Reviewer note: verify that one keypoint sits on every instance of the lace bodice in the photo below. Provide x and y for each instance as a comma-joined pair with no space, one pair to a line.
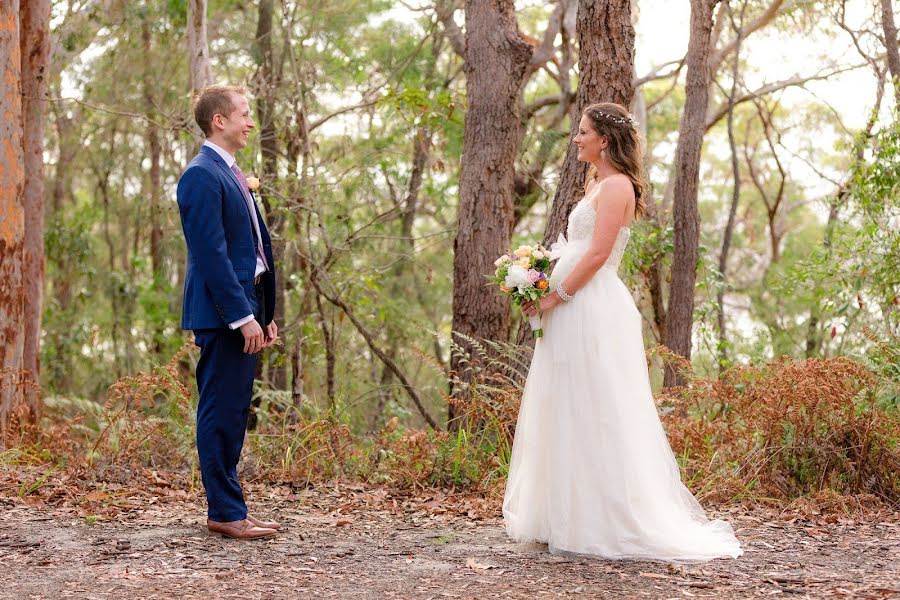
581,228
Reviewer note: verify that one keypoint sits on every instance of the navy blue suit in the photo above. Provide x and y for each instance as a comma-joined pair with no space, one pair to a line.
219,289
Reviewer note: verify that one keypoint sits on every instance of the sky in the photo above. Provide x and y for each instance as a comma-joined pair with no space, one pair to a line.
662,35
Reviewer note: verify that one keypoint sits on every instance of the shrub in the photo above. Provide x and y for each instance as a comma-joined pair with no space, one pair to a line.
785,430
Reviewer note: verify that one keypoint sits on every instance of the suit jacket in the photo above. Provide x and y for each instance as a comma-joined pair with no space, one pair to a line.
221,247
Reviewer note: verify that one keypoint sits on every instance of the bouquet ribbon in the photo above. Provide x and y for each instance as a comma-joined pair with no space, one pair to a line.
558,247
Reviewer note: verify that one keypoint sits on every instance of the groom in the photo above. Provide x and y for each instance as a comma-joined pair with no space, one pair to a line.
229,300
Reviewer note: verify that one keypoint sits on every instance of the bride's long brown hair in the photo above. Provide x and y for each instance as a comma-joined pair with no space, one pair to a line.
613,121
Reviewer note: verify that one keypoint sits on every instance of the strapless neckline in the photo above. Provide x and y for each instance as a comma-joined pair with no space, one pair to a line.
594,210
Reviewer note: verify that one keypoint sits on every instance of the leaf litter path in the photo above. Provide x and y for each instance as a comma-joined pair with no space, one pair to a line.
356,542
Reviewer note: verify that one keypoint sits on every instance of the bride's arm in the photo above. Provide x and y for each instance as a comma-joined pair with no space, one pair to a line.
612,205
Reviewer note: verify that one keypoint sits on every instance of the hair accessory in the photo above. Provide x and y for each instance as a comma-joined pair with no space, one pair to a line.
629,120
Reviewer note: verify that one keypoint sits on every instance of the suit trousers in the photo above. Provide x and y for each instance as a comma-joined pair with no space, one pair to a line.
225,376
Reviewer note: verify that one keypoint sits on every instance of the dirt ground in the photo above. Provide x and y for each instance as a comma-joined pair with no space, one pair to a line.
355,542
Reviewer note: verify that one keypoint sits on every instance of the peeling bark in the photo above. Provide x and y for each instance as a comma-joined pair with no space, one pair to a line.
35,44
12,225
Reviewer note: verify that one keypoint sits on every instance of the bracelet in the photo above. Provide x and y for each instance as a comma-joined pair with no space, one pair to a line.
562,293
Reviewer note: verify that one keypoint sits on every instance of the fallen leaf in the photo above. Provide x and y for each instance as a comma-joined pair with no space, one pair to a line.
474,564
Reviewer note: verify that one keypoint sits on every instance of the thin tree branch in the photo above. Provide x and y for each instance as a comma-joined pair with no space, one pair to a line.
656,74
718,113
758,23
544,53
370,341
444,10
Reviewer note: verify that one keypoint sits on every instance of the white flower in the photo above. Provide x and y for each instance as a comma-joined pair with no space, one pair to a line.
517,277
501,260
537,254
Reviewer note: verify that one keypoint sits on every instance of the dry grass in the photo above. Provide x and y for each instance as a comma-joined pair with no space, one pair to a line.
805,431
17,420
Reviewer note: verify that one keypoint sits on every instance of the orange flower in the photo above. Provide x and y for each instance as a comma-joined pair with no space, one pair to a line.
543,284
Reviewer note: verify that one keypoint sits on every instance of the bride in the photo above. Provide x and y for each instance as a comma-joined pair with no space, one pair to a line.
591,470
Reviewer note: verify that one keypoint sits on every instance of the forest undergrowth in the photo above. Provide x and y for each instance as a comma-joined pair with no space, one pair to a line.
820,433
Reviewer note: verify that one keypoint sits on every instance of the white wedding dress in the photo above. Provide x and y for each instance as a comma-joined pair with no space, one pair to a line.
592,472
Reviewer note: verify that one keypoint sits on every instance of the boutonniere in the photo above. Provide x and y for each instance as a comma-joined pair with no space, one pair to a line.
253,183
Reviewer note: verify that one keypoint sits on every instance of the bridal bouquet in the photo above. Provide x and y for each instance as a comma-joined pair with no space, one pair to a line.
523,275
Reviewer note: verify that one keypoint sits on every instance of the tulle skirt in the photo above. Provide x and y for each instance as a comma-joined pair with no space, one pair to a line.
592,472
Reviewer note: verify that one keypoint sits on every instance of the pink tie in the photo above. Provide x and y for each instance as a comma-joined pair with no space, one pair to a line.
252,208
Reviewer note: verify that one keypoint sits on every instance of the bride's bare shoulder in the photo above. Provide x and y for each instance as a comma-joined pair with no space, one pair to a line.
618,183
616,187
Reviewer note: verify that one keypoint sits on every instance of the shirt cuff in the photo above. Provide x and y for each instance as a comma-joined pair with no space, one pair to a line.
240,322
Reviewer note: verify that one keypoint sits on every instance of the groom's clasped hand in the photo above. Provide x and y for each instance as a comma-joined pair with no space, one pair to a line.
256,339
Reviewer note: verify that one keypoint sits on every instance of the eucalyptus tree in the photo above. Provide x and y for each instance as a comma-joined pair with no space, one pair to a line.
496,60
12,233
679,318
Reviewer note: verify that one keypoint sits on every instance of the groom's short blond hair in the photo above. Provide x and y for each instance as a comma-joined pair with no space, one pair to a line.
214,100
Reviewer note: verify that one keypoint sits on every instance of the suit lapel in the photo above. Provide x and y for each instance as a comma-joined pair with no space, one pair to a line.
219,161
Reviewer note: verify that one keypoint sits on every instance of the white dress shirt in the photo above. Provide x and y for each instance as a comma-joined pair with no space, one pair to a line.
260,263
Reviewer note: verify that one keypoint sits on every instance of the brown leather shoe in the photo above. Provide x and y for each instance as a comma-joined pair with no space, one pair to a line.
265,524
240,530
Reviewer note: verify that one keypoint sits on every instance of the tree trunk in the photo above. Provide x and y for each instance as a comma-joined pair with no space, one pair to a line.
495,63
298,357
198,51
12,227
268,140
605,63
890,43
35,44
680,312
330,357
154,147
113,290
735,194
298,152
